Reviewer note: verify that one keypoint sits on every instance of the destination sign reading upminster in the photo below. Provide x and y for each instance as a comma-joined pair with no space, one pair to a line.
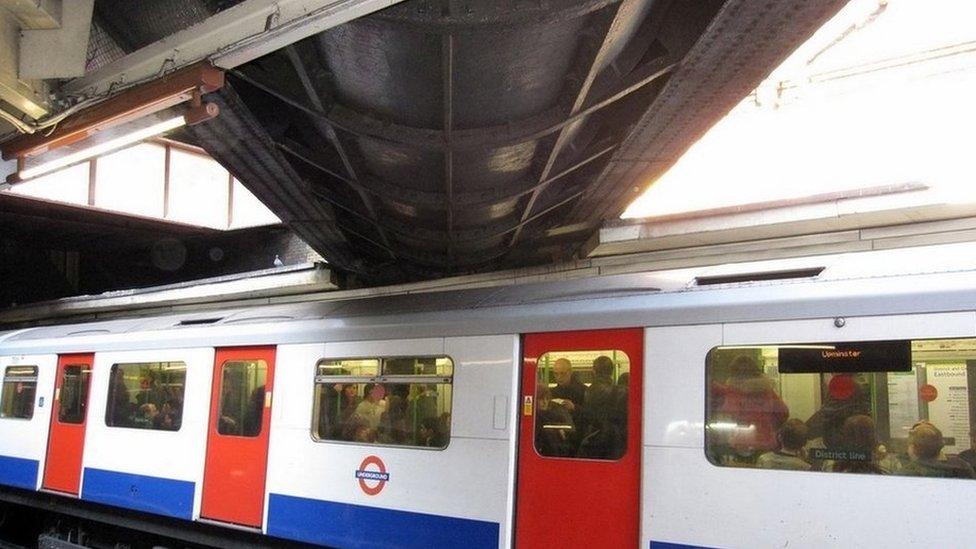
862,356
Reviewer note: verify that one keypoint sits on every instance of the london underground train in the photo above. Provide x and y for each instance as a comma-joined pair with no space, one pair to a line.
824,406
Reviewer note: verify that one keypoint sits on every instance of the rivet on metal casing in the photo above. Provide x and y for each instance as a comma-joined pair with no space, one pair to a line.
840,322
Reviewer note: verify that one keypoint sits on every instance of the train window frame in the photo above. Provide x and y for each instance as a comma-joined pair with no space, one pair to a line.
319,379
85,370
109,409
890,456
259,363
627,419
28,379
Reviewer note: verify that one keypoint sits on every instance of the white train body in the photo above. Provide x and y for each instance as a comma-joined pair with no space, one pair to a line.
468,493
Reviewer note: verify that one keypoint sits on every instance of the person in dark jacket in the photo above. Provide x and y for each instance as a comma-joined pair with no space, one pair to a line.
254,414
603,425
430,433
553,426
859,439
622,397
969,456
827,422
925,458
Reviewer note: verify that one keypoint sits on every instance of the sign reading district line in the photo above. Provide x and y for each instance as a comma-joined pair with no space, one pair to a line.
372,481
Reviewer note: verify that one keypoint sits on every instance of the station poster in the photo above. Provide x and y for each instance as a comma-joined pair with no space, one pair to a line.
949,404
902,403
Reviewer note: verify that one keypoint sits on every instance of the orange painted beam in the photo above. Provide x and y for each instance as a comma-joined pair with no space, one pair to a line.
130,104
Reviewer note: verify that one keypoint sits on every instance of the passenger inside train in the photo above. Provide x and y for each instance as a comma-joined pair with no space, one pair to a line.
242,397
569,392
746,397
792,437
146,395
924,456
411,407
969,456
554,428
581,403
19,387
888,408
858,441
73,396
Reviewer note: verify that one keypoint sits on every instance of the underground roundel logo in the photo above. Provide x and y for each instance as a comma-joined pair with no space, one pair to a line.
372,475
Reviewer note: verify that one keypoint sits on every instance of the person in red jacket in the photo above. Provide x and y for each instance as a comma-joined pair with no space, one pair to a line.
751,411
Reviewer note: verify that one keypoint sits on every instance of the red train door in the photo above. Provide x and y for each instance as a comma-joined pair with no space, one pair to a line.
66,440
579,440
237,440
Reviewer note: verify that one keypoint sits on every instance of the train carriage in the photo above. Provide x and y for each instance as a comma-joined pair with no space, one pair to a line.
235,417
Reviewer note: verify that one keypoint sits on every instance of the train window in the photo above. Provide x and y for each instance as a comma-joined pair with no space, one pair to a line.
146,395
19,388
903,407
403,401
581,404
242,397
73,394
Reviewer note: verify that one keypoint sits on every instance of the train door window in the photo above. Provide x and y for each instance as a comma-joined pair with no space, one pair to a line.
903,407
242,386
403,401
146,395
581,404
73,394
19,388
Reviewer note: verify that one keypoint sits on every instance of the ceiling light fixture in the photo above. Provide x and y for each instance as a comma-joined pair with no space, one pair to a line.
102,148
135,107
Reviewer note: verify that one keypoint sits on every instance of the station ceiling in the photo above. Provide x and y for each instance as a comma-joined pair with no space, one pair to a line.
441,137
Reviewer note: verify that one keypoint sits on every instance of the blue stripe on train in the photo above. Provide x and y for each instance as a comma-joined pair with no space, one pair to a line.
18,472
162,496
669,545
345,525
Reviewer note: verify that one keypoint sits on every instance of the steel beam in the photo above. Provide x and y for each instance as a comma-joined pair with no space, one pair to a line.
326,130
228,39
529,129
387,190
499,13
720,67
506,193
494,230
306,157
447,68
264,170
623,13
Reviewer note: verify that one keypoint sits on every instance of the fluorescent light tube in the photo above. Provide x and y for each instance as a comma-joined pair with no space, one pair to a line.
102,148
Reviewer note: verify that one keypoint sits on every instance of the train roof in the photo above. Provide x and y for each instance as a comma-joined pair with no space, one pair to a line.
839,285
